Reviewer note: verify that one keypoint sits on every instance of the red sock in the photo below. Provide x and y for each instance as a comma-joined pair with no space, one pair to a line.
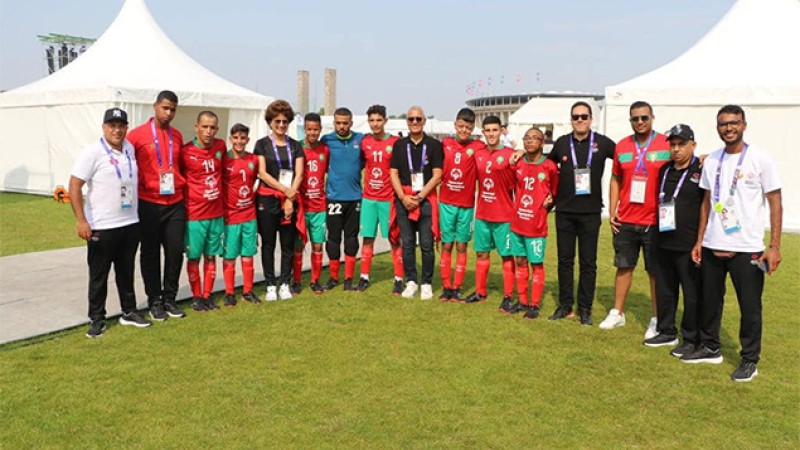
445,262
209,275
316,265
537,286
334,269
508,277
349,266
366,260
522,284
229,274
247,273
481,274
193,270
397,261
297,267
461,269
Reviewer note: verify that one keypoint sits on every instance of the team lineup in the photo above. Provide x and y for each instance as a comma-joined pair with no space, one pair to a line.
694,220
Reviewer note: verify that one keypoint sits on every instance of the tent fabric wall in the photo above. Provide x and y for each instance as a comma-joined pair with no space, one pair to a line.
546,110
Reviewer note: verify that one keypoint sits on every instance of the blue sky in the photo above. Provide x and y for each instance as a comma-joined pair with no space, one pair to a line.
394,53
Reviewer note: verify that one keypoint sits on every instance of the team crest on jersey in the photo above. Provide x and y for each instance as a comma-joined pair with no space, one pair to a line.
388,149
322,157
218,155
470,151
500,160
541,176
250,166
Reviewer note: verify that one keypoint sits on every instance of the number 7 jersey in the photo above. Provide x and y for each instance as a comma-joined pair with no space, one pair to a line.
377,156
238,179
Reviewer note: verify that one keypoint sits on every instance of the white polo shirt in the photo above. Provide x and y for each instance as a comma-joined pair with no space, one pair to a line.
759,176
103,205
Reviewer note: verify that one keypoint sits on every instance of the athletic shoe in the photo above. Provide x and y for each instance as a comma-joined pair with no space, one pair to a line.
703,354
745,372
250,297
532,313
363,284
317,288
475,298
272,294
397,289
331,284
426,292
518,308
561,313
134,319
661,340
506,305
96,329
652,329
586,316
211,305
284,292
199,305
613,320
455,295
348,285
158,314
682,349
173,311
230,300
446,295
410,290
295,288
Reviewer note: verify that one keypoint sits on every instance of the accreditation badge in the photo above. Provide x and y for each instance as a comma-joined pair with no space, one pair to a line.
583,181
126,194
166,182
666,217
417,181
728,216
638,188
285,177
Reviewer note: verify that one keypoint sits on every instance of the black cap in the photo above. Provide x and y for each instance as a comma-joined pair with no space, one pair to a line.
115,115
682,131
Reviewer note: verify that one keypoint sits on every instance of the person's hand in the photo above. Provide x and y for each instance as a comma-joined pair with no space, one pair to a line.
84,230
615,223
288,208
697,254
410,202
702,159
290,193
515,157
773,258
548,201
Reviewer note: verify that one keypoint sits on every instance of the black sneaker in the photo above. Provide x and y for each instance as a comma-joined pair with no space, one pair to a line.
682,349
447,294
158,314
703,354
475,298
96,329
230,300
295,288
317,288
533,313
561,313
173,311
211,305
398,287
135,320
585,316
250,297
455,295
199,305
363,284
745,372
518,308
331,284
506,305
348,285
661,340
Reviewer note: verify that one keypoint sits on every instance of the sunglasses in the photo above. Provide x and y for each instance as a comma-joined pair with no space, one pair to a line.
414,119
280,121
577,117
635,119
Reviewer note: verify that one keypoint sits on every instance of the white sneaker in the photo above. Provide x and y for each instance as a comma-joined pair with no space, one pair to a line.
613,320
652,329
410,290
284,293
272,294
426,292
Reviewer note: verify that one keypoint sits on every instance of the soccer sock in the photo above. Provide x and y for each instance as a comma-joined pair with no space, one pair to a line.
297,267
229,274
481,274
209,275
316,265
522,284
397,260
508,277
193,270
445,262
349,266
537,286
461,269
366,261
334,269
247,273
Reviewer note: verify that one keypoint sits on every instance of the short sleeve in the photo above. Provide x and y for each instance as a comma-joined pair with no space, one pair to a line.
437,155
86,164
770,178
397,157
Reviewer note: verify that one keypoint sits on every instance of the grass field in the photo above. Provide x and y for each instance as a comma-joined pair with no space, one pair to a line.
30,223
374,371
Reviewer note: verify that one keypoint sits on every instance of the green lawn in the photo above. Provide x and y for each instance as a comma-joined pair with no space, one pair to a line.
30,223
374,371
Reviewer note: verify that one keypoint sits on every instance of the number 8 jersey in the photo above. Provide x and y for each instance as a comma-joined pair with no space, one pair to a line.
458,172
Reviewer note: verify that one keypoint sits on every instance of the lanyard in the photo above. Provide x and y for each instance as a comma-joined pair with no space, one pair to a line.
158,148
641,152
678,187
732,190
575,158
114,161
408,153
278,156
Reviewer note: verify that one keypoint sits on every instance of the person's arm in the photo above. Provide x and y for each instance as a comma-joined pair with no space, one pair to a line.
705,208
406,200
613,201
773,254
299,166
431,184
76,200
265,177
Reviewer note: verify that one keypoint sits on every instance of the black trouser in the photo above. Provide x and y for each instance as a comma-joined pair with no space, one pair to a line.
162,226
343,218
408,237
114,246
748,281
674,269
584,228
270,215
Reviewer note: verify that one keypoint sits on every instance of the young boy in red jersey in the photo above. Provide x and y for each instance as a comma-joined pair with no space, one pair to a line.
376,149
457,202
312,199
537,186
238,179
202,168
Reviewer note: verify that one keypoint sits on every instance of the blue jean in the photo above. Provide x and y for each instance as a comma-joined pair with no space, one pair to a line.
408,236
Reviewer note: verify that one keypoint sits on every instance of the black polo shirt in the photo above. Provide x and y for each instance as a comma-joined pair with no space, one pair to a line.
687,206
264,148
567,201
433,157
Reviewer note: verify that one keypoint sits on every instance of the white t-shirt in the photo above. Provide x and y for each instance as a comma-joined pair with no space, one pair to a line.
759,175
103,202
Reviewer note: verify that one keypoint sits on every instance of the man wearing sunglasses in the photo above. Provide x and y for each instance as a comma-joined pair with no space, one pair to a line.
633,205
581,157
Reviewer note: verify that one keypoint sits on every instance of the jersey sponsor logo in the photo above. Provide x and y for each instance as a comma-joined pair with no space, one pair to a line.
211,182
313,182
456,174
244,192
526,200
377,172
488,184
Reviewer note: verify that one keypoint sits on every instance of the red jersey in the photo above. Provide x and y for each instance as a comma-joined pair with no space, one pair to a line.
312,189
625,167
458,172
377,155
535,181
202,169
150,170
238,178
496,181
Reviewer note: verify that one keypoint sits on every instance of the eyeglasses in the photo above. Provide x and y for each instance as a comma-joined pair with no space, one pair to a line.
280,121
635,119
577,117
730,123
532,138
415,119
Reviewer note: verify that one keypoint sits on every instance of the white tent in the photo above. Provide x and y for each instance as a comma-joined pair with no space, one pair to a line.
548,110
43,125
750,58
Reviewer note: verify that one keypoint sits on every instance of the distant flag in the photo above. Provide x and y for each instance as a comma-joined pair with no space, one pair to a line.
489,82
480,83
538,76
519,78
502,79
